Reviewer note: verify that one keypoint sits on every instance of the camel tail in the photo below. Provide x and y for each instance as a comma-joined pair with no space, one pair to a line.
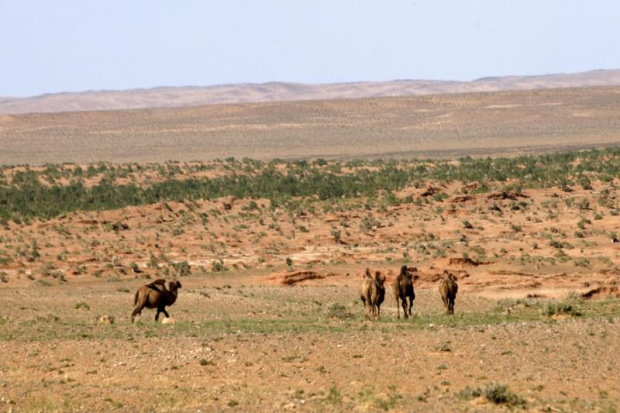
135,298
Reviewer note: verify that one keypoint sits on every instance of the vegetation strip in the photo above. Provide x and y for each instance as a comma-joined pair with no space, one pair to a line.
28,193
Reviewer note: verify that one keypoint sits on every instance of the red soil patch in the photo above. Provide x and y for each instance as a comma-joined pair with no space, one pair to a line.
611,291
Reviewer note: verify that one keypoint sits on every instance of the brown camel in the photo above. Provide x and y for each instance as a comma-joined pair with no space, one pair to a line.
365,289
155,295
372,293
448,289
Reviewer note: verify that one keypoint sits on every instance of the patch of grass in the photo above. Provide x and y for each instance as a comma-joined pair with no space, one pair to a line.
334,396
338,311
218,266
495,393
113,403
562,308
500,394
41,329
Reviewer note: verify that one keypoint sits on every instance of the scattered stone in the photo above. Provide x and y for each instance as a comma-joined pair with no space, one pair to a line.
105,319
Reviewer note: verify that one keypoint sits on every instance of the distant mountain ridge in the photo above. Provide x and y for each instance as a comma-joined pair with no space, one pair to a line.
167,97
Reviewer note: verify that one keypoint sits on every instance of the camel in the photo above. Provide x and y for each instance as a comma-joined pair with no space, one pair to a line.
365,291
372,293
402,286
378,293
155,295
448,289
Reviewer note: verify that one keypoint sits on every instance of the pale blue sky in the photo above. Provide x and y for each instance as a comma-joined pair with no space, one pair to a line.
73,45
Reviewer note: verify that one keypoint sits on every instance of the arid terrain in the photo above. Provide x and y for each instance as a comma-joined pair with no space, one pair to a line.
438,126
269,317
270,213
180,97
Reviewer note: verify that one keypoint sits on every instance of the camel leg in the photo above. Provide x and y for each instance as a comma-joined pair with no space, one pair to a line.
136,311
446,304
405,307
398,308
365,309
161,310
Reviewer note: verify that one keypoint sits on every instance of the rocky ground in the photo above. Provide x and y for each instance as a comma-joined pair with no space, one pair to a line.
269,317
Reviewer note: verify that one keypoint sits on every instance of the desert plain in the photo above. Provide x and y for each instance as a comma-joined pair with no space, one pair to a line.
516,193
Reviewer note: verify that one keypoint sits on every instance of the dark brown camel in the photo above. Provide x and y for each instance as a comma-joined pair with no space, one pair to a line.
402,286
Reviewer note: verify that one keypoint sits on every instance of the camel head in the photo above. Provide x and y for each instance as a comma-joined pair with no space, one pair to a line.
449,276
410,272
174,285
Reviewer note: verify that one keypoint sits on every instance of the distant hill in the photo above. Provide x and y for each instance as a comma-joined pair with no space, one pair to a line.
166,97
439,126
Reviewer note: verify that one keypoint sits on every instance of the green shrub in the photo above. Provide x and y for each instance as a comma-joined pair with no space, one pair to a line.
338,311
42,194
218,266
561,308
182,268
334,396
493,392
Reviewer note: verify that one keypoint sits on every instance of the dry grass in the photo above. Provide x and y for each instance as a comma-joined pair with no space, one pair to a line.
538,275
263,348
430,126
242,338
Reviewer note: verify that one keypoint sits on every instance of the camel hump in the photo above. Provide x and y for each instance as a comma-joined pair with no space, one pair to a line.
153,284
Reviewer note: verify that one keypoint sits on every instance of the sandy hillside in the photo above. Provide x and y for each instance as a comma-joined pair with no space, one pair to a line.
280,92
477,124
